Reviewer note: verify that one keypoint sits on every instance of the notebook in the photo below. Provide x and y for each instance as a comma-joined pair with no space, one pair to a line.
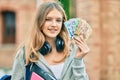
36,76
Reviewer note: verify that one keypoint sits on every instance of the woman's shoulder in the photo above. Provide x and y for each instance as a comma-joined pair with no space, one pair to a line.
20,54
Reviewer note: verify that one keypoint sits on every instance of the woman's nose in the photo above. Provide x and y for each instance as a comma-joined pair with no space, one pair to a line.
54,23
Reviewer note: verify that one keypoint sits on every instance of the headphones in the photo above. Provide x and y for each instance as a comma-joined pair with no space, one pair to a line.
47,48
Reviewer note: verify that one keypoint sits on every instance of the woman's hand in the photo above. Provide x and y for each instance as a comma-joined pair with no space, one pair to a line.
83,48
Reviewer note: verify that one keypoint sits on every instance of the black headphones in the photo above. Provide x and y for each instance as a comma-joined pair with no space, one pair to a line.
47,48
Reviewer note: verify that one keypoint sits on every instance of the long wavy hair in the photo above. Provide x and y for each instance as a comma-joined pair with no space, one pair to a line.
37,38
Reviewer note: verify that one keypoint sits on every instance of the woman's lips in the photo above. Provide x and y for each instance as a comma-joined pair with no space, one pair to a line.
52,30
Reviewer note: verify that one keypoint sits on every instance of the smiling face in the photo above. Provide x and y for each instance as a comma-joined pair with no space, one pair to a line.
53,24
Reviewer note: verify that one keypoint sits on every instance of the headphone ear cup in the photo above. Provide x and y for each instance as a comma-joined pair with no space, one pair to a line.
45,49
59,44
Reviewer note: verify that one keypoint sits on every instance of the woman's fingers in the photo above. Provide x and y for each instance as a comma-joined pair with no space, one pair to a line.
83,48
80,54
79,38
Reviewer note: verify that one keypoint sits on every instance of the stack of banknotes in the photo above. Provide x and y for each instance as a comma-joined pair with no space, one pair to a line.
78,27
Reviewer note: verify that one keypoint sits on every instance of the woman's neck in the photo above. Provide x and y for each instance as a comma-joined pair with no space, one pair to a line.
54,57
51,41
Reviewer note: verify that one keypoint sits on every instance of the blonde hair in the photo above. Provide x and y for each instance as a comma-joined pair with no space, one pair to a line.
37,39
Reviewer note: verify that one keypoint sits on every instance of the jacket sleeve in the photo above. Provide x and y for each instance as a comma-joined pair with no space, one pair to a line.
78,66
79,70
18,71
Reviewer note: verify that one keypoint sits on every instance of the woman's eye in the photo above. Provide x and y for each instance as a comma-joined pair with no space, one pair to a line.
48,19
59,20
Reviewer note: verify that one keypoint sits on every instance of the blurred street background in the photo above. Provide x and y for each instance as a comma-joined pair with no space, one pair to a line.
102,63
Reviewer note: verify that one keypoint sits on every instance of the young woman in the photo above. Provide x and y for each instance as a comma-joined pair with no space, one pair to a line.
48,47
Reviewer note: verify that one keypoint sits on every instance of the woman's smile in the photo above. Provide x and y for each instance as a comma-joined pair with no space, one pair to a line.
52,30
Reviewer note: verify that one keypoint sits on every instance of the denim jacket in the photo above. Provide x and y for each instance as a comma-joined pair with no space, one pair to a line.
74,68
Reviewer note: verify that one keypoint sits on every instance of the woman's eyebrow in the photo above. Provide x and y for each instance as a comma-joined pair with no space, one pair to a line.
55,18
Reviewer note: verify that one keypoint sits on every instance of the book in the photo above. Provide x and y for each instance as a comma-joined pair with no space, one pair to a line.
35,76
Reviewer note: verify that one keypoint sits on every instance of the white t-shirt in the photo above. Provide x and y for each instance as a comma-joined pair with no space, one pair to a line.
57,69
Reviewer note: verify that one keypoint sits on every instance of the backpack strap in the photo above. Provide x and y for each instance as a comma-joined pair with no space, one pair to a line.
27,74
6,77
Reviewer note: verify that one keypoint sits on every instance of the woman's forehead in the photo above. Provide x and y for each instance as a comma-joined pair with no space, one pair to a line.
54,13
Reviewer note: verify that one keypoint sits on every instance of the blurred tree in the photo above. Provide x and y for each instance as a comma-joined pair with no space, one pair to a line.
66,6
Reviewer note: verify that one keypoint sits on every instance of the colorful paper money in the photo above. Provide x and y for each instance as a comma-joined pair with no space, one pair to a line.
78,27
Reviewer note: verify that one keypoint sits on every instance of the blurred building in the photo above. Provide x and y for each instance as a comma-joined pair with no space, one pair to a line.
15,20
103,62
